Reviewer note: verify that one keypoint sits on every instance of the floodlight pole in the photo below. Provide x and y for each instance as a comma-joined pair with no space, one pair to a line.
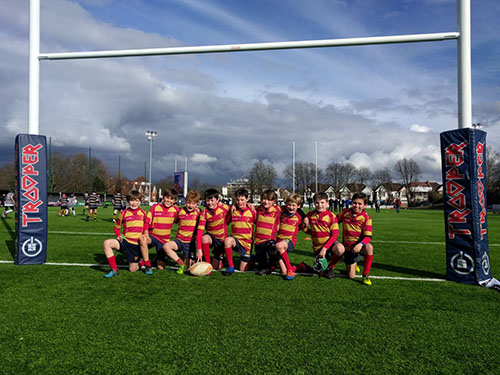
293,167
316,148
151,134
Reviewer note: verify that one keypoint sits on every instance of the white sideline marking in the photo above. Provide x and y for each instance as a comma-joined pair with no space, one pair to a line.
174,268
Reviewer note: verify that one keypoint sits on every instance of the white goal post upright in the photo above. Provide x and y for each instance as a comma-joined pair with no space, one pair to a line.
463,37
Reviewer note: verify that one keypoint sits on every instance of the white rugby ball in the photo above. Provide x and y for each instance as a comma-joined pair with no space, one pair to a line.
201,269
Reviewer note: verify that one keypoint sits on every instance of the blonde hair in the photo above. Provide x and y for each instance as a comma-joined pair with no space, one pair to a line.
294,198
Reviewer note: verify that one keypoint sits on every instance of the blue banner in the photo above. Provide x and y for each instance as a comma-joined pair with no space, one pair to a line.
31,199
463,156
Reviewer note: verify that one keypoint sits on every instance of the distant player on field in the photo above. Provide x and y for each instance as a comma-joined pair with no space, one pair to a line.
63,202
161,218
356,237
9,204
117,202
85,202
185,241
93,202
324,230
242,219
132,220
213,219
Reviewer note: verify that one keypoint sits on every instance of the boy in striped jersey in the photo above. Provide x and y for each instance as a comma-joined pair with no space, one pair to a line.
214,219
268,218
242,223
323,228
132,219
159,222
290,222
93,202
187,219
117,202
356,237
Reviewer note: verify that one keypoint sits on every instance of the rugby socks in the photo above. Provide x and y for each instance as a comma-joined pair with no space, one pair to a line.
112,263
368,264
334,261
285,258
229,255
147,263
205,247
179,261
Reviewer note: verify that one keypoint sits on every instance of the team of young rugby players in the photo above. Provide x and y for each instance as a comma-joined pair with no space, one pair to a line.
270,228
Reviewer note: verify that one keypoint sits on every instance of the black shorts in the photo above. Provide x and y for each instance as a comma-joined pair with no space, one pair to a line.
217,247
132,251
350,257
188,249
265,247
244,253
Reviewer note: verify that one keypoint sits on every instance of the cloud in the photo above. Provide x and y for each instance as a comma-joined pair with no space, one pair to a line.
419,128
202,158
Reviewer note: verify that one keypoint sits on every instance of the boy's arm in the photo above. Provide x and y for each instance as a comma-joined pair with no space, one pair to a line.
117,226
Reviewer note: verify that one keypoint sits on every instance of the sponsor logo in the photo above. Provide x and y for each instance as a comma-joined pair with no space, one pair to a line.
32,247
462,263
29,185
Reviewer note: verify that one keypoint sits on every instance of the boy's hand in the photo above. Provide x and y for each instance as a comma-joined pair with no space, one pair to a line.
199,255
322,253
251,206
357,248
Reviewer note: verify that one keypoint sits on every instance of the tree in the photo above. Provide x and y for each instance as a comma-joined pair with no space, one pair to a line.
305,176
260,177
363,175
8,176
381,176
409,171
492,175
339,174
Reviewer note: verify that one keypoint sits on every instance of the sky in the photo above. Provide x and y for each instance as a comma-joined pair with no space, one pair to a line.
368,105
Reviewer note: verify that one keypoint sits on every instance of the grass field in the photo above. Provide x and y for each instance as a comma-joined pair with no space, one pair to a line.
57,319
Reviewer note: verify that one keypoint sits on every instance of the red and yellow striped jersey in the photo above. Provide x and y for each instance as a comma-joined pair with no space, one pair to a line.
324,229
214,222
289,226
133,224
355,227
242,224
187,224
160,221
267,223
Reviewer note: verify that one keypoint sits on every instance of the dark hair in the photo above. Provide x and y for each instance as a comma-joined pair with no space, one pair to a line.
320,196
211,193
134,194
170,193
360,196
269,195
241,192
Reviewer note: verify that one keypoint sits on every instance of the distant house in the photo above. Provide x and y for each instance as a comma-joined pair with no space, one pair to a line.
348,190
420,191
233,185
388,192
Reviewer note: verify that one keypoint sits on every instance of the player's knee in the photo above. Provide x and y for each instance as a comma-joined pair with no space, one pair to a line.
134,267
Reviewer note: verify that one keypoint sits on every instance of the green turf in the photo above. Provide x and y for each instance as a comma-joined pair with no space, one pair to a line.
68,319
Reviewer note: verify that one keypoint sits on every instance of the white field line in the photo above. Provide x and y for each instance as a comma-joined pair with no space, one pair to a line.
174,268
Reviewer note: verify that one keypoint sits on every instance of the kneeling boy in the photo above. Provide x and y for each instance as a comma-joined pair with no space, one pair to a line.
132,220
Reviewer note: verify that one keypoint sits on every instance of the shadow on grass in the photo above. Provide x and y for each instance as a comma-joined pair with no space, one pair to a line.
10,243
408,271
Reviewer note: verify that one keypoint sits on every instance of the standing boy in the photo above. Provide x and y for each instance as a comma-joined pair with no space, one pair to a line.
161,218
132,220
268,218
242,223
117,202
93,203
213,219
63,202
324,230
9,204
356,237
185,242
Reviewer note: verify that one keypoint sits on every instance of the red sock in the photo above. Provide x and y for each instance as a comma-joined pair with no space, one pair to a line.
229,255
284,256
141,263
334,261
112,263
179,262
205,247
368,264
147,263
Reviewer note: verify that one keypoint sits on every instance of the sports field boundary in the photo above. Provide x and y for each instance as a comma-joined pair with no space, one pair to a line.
398,278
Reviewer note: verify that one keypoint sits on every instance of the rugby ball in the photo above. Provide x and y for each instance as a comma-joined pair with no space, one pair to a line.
201,269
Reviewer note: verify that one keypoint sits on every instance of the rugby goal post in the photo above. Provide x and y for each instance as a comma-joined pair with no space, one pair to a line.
463,170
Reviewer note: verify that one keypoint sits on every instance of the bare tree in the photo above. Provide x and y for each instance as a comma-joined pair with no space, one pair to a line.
339,174
305,176
409,171
260,177
363,175
8,176
381,176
